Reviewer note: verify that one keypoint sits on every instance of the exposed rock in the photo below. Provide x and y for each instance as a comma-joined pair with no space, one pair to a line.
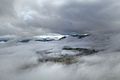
79,36
82,51
4,40
25,40
43,52
63,37
62,59
65,58
44,40
50,37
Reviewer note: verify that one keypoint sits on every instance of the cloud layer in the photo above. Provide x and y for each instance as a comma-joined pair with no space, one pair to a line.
28,17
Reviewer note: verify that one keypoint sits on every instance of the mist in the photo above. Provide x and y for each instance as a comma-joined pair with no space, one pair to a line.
28,18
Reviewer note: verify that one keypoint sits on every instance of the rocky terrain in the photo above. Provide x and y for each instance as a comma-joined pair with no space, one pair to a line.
45,55
39,56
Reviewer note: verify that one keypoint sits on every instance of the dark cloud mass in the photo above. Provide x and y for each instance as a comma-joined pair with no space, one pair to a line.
29,17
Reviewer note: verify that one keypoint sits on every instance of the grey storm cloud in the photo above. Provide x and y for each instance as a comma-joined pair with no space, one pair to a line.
6,7
63,16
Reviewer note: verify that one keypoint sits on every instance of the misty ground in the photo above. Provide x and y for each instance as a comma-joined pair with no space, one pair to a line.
22,61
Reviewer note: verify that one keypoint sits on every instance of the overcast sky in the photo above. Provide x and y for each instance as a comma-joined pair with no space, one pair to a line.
28,17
